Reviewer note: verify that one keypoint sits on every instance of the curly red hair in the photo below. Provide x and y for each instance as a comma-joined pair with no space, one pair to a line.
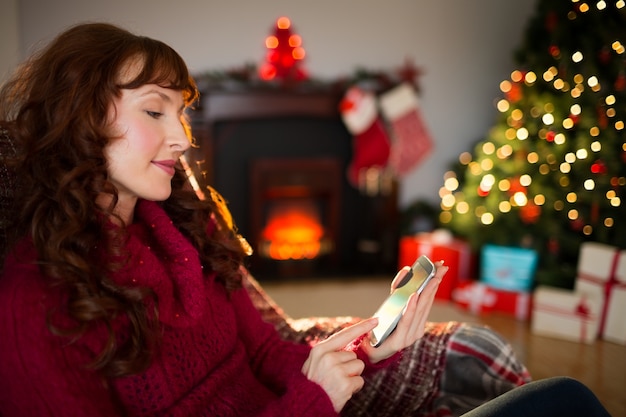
55,108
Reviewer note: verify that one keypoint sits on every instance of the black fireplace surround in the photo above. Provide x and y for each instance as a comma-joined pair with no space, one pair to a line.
238,130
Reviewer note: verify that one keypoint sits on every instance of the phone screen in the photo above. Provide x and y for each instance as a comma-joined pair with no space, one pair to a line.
392,308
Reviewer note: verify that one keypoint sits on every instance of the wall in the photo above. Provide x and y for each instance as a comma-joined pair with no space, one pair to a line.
9,38
464,48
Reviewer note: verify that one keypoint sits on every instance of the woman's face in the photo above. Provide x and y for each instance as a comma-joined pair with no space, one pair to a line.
148,138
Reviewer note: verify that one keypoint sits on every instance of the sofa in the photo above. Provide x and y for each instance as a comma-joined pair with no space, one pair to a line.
453,368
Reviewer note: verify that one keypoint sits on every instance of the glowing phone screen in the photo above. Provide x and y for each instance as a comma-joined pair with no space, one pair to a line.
391,310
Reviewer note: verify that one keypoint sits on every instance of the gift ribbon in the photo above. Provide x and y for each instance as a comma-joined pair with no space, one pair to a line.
476,296
608,287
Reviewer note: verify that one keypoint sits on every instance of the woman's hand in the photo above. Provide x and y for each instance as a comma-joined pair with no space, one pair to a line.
411,326
336,370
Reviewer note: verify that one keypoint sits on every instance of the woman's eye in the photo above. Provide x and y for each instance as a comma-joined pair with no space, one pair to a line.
154,114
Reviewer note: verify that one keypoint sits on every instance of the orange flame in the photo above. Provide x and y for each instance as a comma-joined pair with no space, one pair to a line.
293,232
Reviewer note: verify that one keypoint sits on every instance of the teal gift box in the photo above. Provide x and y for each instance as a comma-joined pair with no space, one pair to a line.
508,268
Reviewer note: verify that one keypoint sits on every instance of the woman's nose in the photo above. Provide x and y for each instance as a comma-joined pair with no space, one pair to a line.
180,137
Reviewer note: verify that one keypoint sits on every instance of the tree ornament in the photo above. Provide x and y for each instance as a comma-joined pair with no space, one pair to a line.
516,186
595,212
552,20
577,224
598,167
620,81
555,51
603,120
530,213
604,56
515,93
553,246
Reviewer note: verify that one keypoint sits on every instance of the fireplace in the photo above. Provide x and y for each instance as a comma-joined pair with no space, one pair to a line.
279,158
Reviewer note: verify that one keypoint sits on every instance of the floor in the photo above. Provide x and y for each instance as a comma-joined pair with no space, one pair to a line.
601,365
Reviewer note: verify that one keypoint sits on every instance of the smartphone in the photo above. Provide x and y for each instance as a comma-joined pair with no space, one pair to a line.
391,310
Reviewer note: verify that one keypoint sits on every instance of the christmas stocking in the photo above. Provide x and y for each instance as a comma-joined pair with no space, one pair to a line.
370,141
411,140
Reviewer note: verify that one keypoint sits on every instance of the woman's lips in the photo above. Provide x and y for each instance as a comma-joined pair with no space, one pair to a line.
167,166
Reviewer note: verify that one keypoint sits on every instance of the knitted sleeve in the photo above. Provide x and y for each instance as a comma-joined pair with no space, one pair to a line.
278,364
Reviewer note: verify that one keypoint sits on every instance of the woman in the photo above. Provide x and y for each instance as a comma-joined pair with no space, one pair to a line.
122,292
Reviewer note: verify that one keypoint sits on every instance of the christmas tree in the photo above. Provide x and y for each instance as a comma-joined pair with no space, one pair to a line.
551,173
284,55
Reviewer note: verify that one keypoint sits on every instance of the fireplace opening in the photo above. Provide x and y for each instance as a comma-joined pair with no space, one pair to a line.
295,211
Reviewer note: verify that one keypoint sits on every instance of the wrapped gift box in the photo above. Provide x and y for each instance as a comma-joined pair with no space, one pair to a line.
615,324
615,321
480,298
439,245
602,272
508,268
565,314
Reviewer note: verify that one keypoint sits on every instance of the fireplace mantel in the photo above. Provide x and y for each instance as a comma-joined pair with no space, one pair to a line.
222,105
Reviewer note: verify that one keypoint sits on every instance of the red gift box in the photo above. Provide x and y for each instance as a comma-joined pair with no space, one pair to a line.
478,297
514,303
439,246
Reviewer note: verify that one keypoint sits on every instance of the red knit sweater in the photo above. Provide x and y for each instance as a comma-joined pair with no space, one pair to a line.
217,357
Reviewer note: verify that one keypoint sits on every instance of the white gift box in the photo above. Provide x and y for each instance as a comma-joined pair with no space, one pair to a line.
615,322
602,272
565,314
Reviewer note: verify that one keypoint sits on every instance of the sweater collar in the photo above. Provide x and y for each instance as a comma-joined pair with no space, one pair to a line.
163,260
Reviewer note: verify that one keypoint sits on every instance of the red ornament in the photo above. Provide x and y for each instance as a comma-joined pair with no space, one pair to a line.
482,192
553,246
620,82
577,224
598,167
555,52
516,187
595,212
530,213
515,93
550,136
604,56
552,20
603,120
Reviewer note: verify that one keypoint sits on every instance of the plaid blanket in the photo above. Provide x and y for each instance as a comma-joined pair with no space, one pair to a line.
453,368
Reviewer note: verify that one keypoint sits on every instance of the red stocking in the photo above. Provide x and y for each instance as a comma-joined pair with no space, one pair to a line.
370,141
412,141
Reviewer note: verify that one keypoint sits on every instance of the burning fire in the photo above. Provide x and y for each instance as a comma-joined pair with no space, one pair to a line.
293,231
